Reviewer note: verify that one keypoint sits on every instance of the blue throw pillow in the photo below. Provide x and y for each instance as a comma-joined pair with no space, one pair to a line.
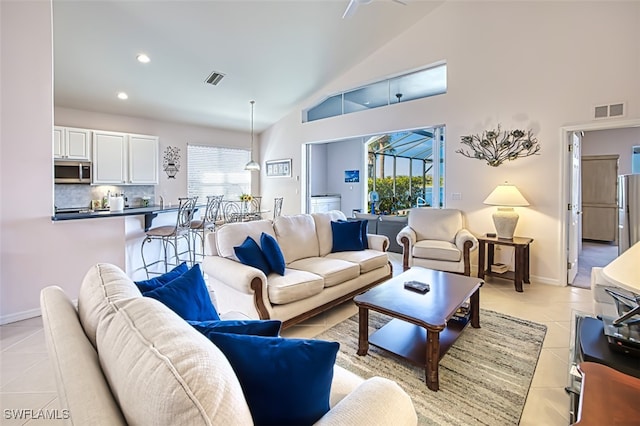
269,328
364,228
187,296
347,236
249,253
285,381
272,253
153,283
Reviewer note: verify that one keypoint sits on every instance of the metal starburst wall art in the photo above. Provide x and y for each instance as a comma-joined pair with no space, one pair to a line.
495,146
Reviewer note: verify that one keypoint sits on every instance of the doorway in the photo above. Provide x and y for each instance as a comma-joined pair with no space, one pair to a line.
598,138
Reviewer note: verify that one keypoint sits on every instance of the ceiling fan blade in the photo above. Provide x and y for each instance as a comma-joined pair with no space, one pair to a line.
351,9
403,2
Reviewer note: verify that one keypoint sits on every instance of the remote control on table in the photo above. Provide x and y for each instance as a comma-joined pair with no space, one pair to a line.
418,286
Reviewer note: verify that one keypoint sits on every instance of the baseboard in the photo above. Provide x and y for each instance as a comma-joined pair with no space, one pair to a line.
24,315
19,316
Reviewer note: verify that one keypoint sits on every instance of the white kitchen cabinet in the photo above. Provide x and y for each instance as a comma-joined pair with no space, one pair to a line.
325,203
125,159
71,144
109,157
143,160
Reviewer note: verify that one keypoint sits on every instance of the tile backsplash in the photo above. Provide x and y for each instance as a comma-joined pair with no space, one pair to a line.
72,195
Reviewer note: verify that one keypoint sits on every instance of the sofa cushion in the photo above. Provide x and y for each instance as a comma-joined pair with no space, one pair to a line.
333,271
169,374
155,282
323,229
187,296
102,285
367,259
293,285
436,250
347,236
231,235
296,236
272,253
435,224
285,381
249,253
253,327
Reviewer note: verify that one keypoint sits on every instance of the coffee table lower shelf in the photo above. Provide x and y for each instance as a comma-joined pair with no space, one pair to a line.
409,341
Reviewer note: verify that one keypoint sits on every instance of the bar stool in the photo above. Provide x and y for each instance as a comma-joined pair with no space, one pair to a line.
207,222
170,235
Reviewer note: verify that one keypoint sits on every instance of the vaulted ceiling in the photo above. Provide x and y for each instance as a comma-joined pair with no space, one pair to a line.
276,52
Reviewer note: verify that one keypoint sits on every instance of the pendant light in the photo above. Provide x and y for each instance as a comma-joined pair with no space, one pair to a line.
252,165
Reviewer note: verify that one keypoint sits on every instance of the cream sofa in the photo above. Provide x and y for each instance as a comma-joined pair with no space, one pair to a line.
315,279
121,358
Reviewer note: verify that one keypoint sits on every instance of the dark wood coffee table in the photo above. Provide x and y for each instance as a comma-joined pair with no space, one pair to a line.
423,328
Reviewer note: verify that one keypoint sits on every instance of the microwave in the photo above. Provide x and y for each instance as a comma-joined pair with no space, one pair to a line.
72,172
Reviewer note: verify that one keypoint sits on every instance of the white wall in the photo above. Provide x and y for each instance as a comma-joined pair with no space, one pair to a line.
318,169
34,251
613,141
341,156
529,65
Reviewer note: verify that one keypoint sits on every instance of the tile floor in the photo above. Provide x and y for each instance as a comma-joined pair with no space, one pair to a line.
27,382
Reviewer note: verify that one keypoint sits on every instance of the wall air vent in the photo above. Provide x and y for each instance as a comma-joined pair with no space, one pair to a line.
609,111
214,78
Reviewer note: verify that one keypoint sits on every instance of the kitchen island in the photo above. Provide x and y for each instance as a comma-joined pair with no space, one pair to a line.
149,213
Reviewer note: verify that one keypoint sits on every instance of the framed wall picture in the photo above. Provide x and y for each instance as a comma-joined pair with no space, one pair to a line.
351,176
278,168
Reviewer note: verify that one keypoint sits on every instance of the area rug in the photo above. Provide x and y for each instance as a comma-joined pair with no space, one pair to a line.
484,377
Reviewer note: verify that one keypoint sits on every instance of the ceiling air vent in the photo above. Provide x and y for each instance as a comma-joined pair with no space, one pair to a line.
214,78
608,111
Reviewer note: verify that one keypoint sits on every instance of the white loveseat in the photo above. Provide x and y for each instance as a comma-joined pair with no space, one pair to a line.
121,358
315,279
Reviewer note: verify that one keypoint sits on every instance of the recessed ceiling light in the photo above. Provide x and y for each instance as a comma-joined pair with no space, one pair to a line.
143,58
123,96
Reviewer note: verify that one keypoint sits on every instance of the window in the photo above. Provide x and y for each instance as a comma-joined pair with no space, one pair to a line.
407,87
406,169
635,160
214,170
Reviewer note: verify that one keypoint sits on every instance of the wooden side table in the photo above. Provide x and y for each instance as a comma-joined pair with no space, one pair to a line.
521,245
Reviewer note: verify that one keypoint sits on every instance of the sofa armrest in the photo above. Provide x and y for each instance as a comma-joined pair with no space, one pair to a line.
466,243
463,236
232,273
243,279
376,401
408,233
406,238
378,242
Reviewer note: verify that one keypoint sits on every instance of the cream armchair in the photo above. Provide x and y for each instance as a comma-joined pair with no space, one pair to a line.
437,239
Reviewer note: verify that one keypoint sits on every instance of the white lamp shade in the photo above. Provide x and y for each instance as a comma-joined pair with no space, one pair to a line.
506,195
505,219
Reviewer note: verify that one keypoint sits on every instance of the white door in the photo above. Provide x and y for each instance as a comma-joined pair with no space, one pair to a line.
573,246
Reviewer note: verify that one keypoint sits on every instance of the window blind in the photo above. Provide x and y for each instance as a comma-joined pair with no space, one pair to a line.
213,170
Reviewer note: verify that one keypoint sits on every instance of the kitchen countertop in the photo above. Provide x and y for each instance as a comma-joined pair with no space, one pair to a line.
149,213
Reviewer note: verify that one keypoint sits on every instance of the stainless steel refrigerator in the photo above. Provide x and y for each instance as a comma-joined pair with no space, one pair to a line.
629,209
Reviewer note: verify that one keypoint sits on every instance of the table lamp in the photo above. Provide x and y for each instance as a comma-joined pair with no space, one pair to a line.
505,218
